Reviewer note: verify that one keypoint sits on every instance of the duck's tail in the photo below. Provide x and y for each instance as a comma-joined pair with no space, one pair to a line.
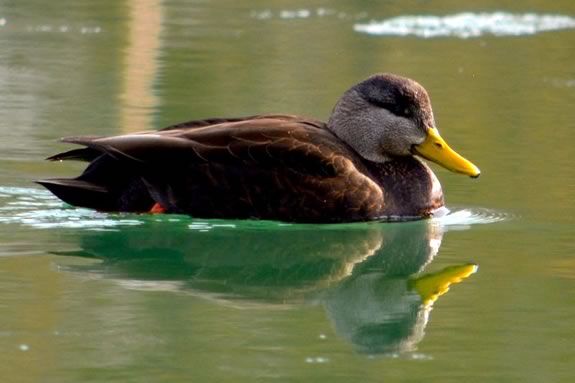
129,196
106,185
80,193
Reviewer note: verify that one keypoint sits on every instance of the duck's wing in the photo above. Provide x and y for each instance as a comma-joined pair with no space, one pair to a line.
211,121
89,154
296,145
275,167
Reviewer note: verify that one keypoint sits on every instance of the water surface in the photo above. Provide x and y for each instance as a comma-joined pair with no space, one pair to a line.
100,297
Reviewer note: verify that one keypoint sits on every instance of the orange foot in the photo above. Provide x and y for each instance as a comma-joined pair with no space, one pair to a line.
157,209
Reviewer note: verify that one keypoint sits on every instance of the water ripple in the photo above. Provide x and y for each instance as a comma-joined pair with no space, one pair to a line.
55,28
467,25
462,218
47,28
304,13
39,209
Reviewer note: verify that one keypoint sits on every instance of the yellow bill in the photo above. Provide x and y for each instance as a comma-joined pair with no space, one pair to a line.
435,149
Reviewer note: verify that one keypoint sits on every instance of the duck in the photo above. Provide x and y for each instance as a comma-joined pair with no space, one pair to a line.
365,163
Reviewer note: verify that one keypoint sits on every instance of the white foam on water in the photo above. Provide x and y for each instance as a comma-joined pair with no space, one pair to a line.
467,25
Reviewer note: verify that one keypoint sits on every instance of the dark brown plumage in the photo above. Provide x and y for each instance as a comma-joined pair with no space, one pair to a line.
277,167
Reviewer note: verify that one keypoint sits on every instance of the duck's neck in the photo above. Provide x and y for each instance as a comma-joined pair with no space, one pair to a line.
362,128
410,187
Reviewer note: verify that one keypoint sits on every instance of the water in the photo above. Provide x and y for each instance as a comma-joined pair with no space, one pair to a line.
99,297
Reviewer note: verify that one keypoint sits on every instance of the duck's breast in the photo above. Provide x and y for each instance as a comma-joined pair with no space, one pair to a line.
410,187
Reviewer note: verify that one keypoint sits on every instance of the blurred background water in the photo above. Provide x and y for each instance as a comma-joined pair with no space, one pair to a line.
87,296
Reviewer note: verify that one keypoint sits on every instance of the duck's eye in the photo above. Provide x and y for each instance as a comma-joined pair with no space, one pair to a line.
406,112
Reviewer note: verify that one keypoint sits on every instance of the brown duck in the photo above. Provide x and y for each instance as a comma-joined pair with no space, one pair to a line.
359,166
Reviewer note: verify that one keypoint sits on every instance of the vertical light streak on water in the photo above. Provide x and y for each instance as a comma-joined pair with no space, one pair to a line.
141,65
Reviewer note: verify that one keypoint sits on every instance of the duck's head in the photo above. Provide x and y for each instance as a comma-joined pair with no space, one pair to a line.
387,116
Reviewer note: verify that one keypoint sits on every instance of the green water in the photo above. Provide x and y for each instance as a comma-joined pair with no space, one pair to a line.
91,297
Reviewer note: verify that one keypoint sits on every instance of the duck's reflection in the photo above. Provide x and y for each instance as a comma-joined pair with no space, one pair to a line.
383,307
381,314
368,277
